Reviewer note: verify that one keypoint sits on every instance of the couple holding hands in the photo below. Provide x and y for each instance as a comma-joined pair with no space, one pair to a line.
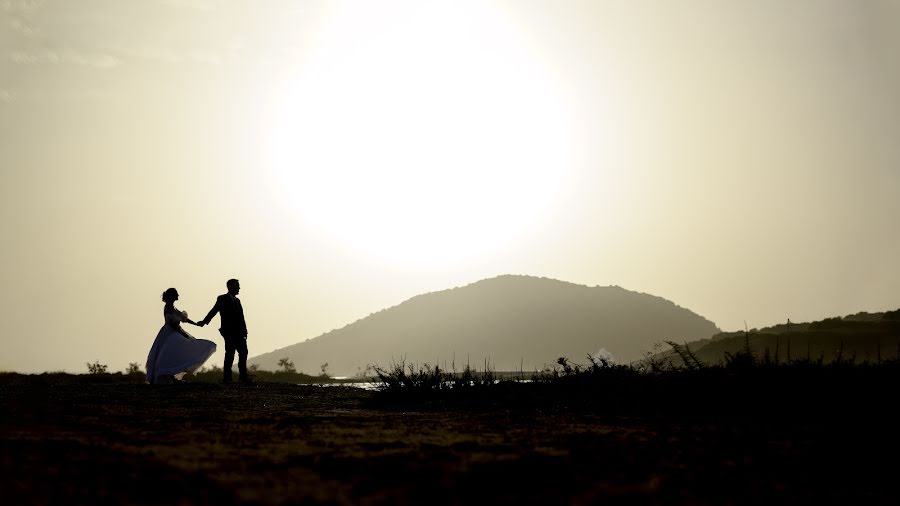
175,352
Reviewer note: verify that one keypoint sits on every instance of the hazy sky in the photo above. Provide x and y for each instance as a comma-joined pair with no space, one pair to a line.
739,158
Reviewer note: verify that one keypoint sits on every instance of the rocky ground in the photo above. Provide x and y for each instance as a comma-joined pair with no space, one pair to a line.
270,443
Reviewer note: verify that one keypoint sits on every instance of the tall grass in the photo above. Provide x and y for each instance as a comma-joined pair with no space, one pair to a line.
412,378
745,384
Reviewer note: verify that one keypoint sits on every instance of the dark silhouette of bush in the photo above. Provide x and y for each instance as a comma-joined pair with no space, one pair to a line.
687,356
286,365
96,367
745,386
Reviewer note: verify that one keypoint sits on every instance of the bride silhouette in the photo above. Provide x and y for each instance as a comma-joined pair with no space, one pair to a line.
175,352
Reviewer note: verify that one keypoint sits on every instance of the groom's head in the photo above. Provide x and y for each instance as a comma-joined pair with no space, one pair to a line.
233,286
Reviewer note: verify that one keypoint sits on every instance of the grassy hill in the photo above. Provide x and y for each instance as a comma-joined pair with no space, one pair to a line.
862,337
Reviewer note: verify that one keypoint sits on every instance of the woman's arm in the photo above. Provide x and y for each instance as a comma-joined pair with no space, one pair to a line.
184,318
174,318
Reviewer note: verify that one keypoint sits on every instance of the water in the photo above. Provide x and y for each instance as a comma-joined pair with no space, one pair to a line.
365,385
373,385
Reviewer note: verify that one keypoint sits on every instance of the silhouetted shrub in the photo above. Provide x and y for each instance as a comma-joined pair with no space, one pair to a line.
96,367
286,365
687,356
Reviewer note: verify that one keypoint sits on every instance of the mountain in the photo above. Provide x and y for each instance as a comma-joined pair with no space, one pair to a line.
861,337
512,321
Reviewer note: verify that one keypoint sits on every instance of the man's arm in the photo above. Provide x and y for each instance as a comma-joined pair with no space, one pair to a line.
212,313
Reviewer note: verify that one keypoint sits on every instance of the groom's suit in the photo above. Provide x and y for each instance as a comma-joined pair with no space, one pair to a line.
234,330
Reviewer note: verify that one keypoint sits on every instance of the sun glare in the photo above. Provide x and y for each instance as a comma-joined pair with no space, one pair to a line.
419,133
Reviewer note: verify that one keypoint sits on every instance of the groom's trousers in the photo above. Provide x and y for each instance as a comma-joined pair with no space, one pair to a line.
238,344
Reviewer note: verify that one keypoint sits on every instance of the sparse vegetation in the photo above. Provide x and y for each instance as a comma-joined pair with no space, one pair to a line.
691,429
101,442
419,380
286,365
96,367
687,356
745,383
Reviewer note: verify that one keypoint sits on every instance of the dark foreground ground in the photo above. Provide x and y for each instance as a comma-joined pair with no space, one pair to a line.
277,443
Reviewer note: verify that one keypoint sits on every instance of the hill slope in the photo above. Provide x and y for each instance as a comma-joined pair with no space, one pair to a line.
511,320
860,337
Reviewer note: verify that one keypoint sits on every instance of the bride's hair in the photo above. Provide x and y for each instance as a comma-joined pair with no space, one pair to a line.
169,295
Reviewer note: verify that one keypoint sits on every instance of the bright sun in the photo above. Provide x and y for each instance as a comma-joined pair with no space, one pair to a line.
420,133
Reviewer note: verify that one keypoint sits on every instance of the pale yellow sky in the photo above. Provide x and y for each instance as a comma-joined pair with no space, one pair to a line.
738,158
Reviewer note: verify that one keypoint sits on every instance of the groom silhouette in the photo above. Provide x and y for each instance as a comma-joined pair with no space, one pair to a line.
234,329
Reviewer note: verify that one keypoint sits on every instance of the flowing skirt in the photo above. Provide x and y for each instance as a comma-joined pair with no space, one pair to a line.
173,355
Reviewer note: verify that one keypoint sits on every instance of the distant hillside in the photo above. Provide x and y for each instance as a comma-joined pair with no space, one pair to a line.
511,320
862,336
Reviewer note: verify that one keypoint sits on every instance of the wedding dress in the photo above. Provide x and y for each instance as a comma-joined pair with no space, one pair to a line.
173,355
